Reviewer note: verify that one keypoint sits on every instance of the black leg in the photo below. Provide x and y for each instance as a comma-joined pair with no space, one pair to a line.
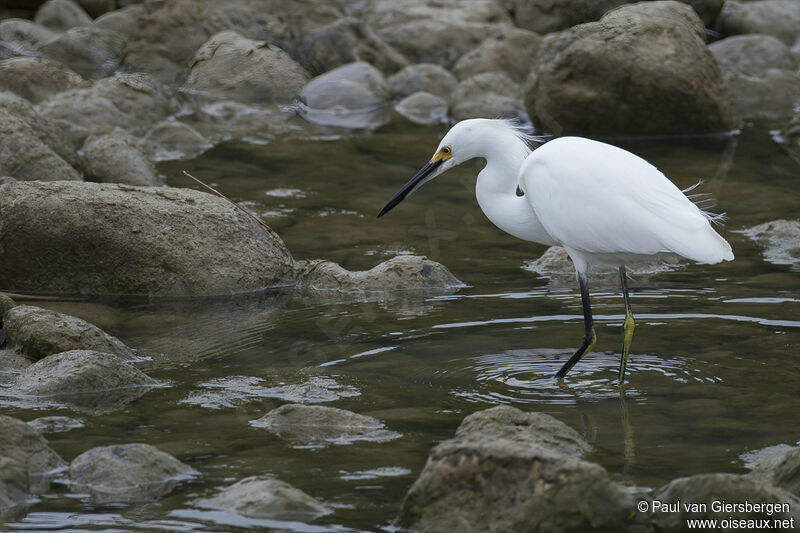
589,336
628,327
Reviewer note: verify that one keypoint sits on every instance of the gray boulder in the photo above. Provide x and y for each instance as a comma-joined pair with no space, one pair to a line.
353,95
173,139
605,77
127,473
546,16
782,471
422,108
26,447
510,53
6,303
231,66
427,77
13,486
156,241
487,95
779,18
90,51
401,273
266,497
38,332
780,239
20,37
753,55
116,157
730,488
35,78
61,15
507,470
317,425
556,264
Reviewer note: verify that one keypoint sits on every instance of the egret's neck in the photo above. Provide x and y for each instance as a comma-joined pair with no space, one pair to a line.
496,190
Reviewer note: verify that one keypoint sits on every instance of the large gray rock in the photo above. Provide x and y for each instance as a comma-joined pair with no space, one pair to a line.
38,332
6,303
13,486
20,37
730,488
134,102
779,18
422,108
156,241
780,239
782,471
26,447
61,15
507,470
427,77
90,51
754,54
317,425
401,273
510,53
117,157
127,473
265,497
546,16
36,78
641,69
231,66
487,95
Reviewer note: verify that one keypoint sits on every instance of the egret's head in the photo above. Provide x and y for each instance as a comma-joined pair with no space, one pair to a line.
455,148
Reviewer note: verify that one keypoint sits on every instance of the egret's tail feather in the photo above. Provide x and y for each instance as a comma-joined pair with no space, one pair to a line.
705,201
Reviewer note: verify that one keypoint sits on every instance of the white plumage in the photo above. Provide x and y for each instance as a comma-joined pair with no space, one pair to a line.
601,203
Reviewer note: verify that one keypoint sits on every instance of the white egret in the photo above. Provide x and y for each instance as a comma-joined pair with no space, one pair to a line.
603,204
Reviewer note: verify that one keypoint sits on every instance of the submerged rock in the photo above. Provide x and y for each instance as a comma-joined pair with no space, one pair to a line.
156,241
231,66
487,95
172,139
507,470
85,379
781,241
26,447
55,424
316,425
601,78
265,497
38,332
422,108
127,473
427,77
401,273
61,15
556,263
116,157
37,78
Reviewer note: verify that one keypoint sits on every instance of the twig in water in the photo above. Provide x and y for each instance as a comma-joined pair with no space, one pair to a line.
237,206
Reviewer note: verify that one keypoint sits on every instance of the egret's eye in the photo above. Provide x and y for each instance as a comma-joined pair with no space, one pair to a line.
446,150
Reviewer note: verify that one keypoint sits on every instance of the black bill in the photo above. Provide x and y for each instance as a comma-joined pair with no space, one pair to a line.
412,184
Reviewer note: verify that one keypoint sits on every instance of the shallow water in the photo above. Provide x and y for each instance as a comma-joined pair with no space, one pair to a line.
713,373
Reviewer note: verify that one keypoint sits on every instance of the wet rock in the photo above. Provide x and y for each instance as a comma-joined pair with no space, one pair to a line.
316,425
546,16
127,473
507,470
6,303
346,41
781,241
11,365
13,486
731,488
601,78
134,102
20,37
779,18
225,120
35,78
789,137
55,424
555,263
427,77
38,332
61,15
349,96
510,53
487,95
25,446
753,55
84,379
422,108
438,32
231,66
265,497
90,51
781,469
117,158
401,273
155,240
173,139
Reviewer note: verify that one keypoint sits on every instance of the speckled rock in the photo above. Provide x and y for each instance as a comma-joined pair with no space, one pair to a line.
427,77
127,473
6,303
510,53
401,273
487,95
155,240
265,497
231,66
779,18
61,15
20,37
780,239
38,332
116,157
90,51
422,108
782,471
36,78
25,446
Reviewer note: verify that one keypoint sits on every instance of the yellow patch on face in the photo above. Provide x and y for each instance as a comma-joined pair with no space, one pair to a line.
444,154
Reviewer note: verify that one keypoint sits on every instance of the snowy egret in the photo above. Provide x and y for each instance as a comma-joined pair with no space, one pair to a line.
603,204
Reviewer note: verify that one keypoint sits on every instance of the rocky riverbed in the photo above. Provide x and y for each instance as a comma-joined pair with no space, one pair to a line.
279,361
